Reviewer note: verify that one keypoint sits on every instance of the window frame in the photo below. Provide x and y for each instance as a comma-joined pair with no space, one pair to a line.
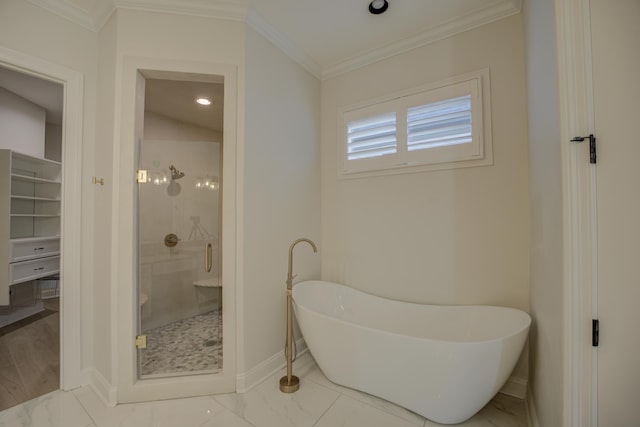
476,153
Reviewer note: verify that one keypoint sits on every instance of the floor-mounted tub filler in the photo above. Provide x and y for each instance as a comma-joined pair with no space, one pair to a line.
442,362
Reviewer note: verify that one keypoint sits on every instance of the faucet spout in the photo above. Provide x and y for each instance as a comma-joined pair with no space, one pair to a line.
290,271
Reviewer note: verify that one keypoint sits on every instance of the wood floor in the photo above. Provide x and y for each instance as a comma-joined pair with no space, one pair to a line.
29,358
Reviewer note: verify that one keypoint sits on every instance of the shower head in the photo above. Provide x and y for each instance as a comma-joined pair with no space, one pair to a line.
175,173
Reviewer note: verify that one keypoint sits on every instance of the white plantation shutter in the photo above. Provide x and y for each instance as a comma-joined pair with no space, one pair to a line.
439,124
371,137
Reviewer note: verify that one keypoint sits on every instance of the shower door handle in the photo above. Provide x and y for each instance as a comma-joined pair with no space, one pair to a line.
208,255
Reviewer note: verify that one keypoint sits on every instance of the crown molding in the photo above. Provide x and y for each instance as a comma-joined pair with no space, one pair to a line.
94,20
494,12
69,12
225,9
284,43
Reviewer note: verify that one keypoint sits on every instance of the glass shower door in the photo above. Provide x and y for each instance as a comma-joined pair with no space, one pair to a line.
179,281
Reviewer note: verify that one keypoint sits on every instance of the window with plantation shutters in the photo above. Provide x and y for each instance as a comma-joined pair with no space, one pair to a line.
440,126
372,136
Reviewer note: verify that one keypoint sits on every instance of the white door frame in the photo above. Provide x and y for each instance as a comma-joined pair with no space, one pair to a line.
579,212
71,258
124,248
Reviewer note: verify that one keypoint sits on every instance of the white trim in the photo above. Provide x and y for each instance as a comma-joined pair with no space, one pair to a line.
459,24
515,387
71,260
349,169
224,9
99,384
576,118
68,11
530,408
94,20
130,72
247,380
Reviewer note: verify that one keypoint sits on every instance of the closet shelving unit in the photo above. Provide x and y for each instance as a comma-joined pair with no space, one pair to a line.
29,221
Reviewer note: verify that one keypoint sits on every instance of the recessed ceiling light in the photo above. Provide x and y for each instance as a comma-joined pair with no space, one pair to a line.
378,6
203,101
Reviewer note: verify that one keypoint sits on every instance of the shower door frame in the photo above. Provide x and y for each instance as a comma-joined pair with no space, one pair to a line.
125,269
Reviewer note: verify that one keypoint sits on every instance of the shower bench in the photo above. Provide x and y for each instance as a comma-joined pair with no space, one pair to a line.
212,282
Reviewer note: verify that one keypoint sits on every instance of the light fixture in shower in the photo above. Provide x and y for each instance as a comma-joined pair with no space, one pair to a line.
159,178
378,6
207,183
203,100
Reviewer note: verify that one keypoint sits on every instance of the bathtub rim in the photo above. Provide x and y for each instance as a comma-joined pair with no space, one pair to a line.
517,332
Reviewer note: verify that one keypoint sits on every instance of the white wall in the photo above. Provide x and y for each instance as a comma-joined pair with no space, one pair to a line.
455,236
74,48
546,340
444,237
181,43
22,125
281,190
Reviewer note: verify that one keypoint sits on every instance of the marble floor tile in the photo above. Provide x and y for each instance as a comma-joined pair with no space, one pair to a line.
16,416
501,411
318,403
313,373
348,412
57,409
189,412
266,406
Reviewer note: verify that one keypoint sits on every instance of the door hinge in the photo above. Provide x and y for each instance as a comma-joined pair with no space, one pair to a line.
592,146
595,332
141,175
141,342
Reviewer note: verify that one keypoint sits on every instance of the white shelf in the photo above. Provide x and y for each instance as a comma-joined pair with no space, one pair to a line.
34,179
34,215
29,219
41,199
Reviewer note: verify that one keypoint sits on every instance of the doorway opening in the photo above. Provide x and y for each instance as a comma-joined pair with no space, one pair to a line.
178,208
31,111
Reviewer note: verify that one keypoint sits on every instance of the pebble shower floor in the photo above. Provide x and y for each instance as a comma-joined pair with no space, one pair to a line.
188,345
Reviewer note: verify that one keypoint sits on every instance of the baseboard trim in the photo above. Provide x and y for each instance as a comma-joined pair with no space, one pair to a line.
247,380
530,407
515,387
99,384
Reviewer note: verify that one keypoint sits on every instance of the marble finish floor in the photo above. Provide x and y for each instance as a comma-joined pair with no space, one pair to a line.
29,358
318,403
188,345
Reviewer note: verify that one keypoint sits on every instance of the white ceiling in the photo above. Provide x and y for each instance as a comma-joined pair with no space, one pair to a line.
327,37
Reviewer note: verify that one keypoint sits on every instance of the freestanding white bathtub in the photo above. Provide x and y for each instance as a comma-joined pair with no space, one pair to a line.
442,362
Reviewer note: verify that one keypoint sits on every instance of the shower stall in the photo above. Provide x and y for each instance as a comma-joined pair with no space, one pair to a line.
179,225
179,259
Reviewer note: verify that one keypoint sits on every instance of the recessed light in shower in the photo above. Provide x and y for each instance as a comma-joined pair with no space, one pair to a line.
203,101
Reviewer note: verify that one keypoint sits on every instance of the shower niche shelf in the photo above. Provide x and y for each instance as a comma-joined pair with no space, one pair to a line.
29,219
